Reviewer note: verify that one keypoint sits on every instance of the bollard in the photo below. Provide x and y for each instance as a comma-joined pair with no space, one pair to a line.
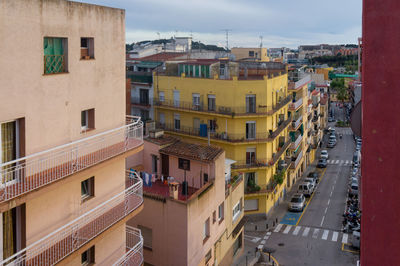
273,223
276,220
256,227
266,226
273,263
269,256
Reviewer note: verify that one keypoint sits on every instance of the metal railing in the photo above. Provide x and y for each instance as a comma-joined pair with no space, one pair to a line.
296,162
297,141
241,164
54,64
224,110
229,137
295,105
141,101
134,245
28,173
297,121
59,244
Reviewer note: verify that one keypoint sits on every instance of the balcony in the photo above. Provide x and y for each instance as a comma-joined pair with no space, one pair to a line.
296,142
232,184
224,110
228,137
278,155
134,247
37,170
296,105
57,245
296,162
256,163
297,120
140,102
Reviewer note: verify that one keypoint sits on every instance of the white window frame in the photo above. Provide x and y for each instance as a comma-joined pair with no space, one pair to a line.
221,209
206,228
161,96
248,97
236,210
248,135
162,118
196,99
211,96
86,126
17,155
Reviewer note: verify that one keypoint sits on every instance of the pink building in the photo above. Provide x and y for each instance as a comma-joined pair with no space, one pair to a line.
200,224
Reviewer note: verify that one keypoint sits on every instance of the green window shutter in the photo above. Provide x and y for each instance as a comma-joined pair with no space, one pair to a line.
197,71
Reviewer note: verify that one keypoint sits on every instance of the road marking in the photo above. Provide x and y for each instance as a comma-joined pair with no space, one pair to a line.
269,233
306,230
335,236
329,201
263,242
344,239
296,230
266,237
278,228
252,238
325,235
331,193
287,229
337,161
323,218
326,209
260,247
347,161
315,233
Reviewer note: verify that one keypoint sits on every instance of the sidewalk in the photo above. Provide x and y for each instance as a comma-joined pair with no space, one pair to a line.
266,223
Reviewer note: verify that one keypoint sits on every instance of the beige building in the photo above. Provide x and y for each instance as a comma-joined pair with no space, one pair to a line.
256,54
195,224
64,193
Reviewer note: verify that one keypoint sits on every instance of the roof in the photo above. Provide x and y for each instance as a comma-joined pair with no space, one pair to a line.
149,64
323,99
314,92
162,140
200,62
161,56
193,151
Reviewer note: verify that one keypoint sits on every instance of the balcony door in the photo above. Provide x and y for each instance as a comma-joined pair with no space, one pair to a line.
13,233
250,103
250,155
250,130
144,96
176,98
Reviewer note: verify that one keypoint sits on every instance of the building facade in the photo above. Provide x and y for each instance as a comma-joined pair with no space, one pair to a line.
64,195
193,217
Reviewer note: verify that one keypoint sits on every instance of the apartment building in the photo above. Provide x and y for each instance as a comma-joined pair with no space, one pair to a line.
65,196
256,54
240,107
194,206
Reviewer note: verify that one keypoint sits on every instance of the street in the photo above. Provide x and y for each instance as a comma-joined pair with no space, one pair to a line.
314,236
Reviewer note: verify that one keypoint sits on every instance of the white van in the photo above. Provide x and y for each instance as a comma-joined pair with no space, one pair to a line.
305,188
356,158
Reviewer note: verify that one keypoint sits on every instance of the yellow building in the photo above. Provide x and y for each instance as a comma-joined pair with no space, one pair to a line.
256,54
65,195
324,71
241,107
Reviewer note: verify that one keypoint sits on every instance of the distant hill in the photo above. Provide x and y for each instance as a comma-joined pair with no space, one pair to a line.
195,45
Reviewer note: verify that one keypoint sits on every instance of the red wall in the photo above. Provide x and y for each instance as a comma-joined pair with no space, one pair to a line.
380,231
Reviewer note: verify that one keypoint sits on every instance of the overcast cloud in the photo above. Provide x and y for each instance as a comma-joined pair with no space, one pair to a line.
281,22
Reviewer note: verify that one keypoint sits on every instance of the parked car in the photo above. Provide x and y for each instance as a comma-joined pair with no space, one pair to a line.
353,180
332,137
305,188
331,144
331,119
311,181
314,175
297,202
322,163
353,190
324,154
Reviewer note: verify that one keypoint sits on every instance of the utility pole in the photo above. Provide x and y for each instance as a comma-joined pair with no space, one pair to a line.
261,44
227,37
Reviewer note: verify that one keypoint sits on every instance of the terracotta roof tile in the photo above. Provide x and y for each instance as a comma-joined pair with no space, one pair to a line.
161,56
193,151
163,140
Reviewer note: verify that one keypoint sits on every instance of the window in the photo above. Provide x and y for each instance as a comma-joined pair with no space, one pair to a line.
237,244
147,234
184,164
87,48
144,96
208,256
236,210
211,102
177,122
87,189
55,52
221,212
250,130
251,103
212,125
87,119
205,178
162,118
161,96
196,124
250,155
251,53
87,257
154,160
222,70
214,216
206,230
196,101
176,98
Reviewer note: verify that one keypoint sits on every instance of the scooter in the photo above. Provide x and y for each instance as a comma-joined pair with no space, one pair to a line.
340,135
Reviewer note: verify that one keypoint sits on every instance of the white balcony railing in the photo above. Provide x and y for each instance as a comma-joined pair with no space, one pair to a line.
25,174
298,159
296,143
59,244
134,246
296,123
296,105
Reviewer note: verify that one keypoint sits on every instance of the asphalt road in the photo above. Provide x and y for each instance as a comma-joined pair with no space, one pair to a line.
315,238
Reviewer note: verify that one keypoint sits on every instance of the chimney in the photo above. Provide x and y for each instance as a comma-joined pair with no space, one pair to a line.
173,190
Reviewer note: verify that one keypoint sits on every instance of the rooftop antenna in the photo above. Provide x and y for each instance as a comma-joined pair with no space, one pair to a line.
261,39
227,37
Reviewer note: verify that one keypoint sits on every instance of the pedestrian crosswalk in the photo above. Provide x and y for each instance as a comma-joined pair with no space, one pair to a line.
344,131
315,233
339,162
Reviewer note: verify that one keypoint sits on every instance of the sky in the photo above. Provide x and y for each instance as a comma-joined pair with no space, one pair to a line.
287,23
